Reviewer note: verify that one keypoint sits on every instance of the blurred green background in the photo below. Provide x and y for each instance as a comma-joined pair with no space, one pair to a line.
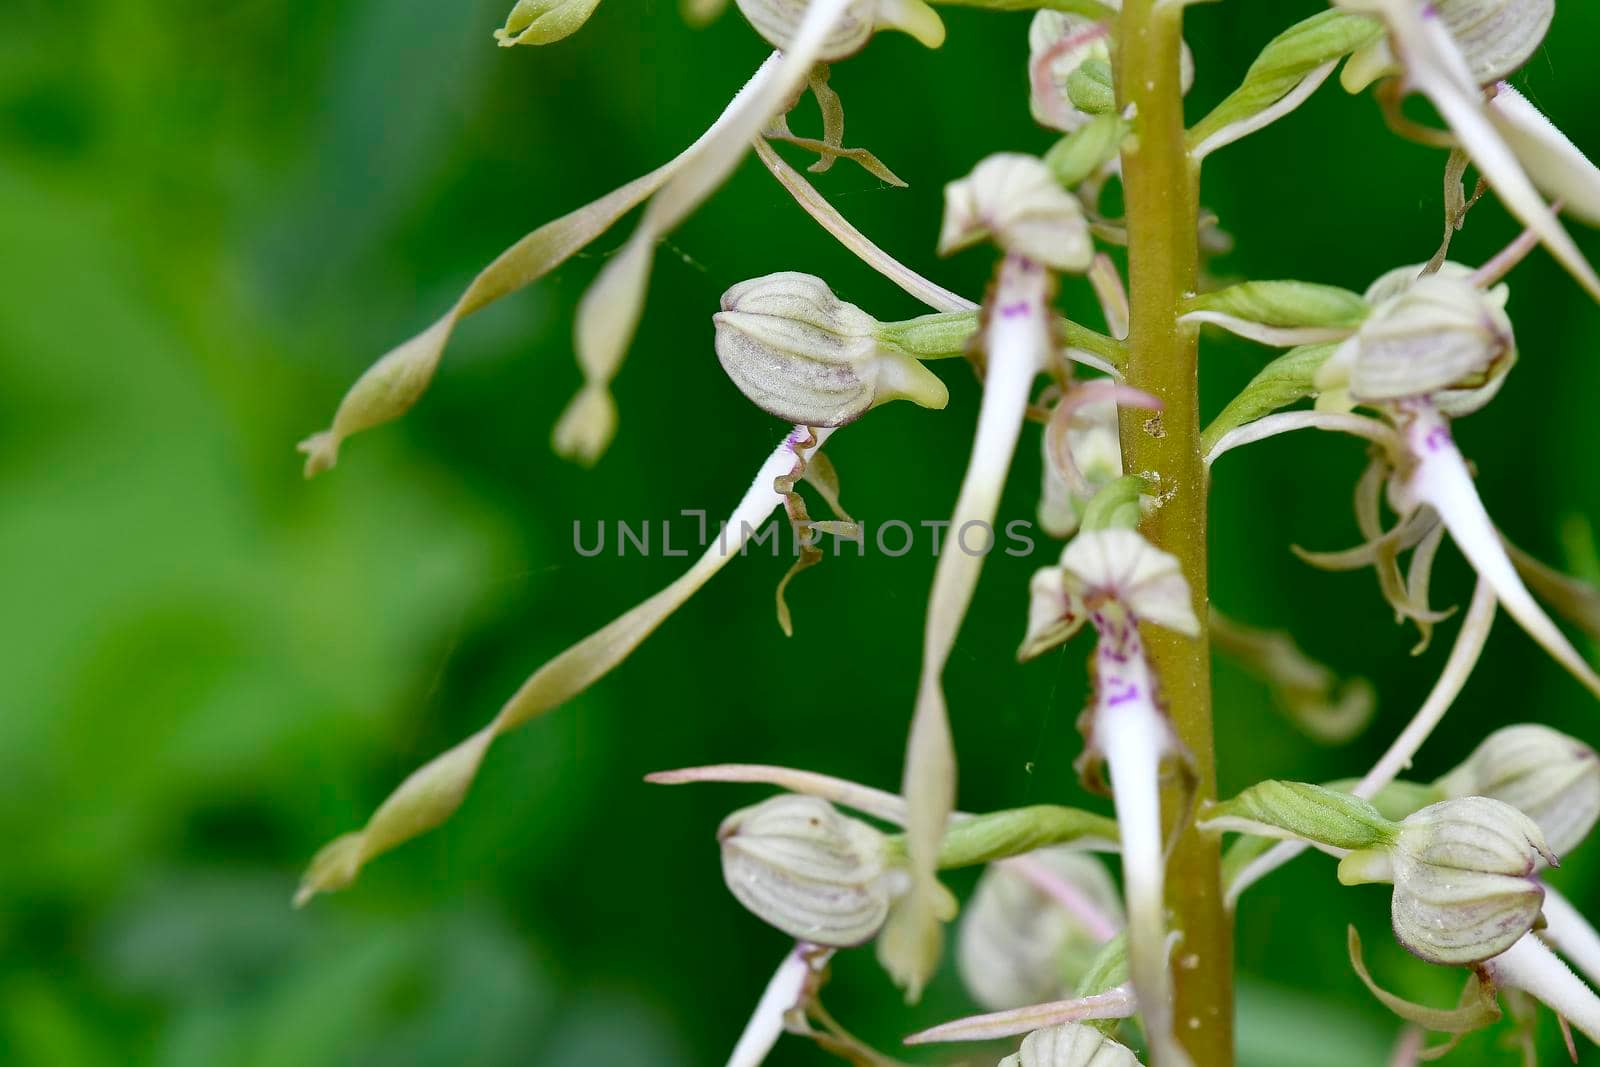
212,217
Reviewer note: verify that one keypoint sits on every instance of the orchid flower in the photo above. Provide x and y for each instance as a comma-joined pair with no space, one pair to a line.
1433,347
1115,580
1470,874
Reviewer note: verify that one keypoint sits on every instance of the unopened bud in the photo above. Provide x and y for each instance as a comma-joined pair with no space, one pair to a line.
801,866
1019,944
1014,200
779,20
1463,875
1091,442
1437,336
1549,777
1072,1045
1496,37
1069,57
806,356
543,21
1120,565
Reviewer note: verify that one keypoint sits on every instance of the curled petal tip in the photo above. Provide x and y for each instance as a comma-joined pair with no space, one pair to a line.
586,428
321,451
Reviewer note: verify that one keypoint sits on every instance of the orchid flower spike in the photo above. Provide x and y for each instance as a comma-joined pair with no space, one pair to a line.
1013,200
1447,50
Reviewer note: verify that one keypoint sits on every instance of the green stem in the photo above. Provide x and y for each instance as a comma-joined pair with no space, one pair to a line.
1161,188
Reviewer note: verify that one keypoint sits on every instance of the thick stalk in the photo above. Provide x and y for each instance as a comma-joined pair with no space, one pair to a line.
1161,189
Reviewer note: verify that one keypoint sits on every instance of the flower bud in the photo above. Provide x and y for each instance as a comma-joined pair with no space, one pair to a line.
1071,1045
1019,945
1062,47
1549,777
1496,37
1095,449
1118,564
813,873
1014,200
1437,336
806,356
544,21
779,20
1463,874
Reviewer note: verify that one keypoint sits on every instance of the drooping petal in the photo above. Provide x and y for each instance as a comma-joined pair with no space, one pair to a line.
395,382
432,794
1554,163
1134,736
1441,479
1477,1010
1017,339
